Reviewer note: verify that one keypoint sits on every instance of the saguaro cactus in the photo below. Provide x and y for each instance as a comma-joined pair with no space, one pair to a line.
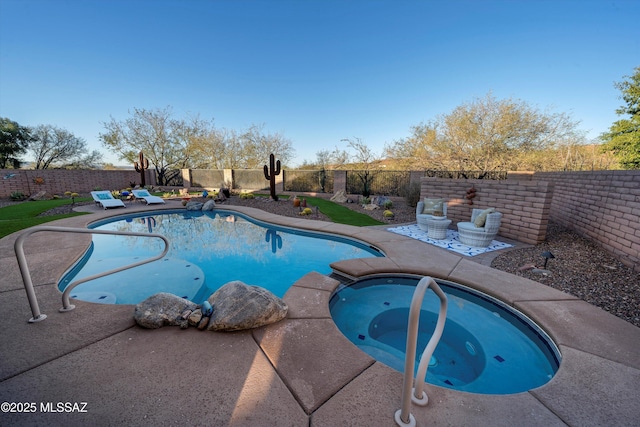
141,165
275,239
271,177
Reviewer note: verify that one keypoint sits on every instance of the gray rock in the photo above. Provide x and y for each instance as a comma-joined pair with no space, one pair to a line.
339,197
40,195
162,309
195,317
237,306
209,205
194,206
203,323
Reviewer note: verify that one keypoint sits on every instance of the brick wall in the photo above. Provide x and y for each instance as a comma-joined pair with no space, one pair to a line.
603,206
525,204
57,181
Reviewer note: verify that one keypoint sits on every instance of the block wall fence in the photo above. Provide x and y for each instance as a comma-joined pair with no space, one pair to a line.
525,204
603,206
57,181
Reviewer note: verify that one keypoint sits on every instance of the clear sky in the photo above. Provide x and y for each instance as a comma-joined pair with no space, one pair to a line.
315,71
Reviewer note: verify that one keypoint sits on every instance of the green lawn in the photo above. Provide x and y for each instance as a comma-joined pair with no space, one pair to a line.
340,214
24,215
336,212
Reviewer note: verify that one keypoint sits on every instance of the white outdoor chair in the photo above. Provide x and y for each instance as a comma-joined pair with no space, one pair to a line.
480,236
425,210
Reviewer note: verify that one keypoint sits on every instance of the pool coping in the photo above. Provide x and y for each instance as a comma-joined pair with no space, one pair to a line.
312,374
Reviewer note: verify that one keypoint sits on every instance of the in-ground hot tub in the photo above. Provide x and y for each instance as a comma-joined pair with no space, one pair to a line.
486,347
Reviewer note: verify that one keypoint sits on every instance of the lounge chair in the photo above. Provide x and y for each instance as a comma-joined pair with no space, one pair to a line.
148,198
106,200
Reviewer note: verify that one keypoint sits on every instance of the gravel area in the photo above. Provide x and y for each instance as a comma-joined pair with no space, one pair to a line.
580,267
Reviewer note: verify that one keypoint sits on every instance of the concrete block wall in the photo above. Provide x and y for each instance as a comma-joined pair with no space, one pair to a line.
603,206
57,181
339,181
525,204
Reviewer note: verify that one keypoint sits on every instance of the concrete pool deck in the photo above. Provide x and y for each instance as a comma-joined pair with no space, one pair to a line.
298,372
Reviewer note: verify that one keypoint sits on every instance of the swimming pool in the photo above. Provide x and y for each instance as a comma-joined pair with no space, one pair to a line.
208,249
486,347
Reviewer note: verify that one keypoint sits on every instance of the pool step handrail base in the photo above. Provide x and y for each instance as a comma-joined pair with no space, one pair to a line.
398,419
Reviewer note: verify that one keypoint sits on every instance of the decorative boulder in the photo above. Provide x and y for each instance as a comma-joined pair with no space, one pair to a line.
209,205
163,309
238,306
340,197
194,206
40,195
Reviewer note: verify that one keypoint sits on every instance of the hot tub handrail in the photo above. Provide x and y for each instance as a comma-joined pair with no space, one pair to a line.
66,306
403,415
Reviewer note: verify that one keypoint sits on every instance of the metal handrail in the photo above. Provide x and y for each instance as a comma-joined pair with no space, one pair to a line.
66,306
403,415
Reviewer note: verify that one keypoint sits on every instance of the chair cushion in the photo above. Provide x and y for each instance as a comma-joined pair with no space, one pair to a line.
482,218
466,226
432,205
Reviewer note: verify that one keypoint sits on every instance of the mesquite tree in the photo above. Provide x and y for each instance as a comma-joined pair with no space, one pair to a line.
167,142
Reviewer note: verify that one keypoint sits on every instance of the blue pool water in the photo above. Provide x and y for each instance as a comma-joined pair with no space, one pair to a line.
486,347
208,249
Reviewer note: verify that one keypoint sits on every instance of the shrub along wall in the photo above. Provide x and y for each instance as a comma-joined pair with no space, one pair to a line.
525,204
57,181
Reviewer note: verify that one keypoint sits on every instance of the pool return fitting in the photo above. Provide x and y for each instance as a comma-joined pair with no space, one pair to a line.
66,305
403,415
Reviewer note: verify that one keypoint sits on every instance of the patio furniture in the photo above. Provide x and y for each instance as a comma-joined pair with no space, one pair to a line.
427,208
437,227
106,199
482,229
148,198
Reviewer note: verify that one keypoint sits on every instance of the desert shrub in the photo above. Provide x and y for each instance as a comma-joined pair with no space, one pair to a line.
17,195
411,194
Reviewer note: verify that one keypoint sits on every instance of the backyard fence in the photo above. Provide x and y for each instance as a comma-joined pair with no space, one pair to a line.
206,178
601,205
317,181
383,183
173,178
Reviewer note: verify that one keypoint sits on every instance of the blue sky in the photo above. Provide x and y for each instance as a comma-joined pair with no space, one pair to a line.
315,71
